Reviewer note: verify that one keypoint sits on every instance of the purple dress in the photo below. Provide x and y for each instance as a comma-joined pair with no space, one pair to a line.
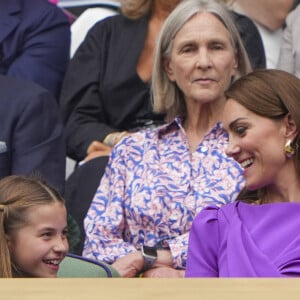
244,240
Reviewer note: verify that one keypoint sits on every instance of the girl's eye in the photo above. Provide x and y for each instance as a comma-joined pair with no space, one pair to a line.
47,234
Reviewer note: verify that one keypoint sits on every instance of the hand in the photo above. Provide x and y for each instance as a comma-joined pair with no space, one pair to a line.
115,137
129,265
96,149
164,272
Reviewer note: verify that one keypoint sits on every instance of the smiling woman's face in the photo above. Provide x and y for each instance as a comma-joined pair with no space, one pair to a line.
257,143
202,60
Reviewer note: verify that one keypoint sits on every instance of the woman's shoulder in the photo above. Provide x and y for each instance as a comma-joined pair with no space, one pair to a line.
33,11
217,214
243,21
208,214
141,137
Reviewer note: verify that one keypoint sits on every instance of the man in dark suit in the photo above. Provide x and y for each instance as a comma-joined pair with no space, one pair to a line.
34,42
31,132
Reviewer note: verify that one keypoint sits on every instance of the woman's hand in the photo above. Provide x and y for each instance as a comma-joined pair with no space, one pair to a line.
129,265
133,263
96,149
163,272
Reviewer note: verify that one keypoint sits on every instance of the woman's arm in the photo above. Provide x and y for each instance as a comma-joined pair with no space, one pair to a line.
133,264
202,260
80,101
105,221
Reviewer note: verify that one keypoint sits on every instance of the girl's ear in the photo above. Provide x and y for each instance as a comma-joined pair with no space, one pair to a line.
291,130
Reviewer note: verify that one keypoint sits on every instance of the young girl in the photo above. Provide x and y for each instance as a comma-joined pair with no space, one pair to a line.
33,228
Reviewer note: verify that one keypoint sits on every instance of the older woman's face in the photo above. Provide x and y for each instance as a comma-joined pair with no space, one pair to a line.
202,59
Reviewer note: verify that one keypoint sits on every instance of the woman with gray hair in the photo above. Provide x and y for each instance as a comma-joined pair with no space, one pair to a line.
106,92
157,180
106,88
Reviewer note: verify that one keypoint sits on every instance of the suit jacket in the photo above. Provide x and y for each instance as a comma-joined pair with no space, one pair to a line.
31,139
34,42
289,57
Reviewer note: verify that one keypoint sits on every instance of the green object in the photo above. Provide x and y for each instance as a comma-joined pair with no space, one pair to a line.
74,234
78,266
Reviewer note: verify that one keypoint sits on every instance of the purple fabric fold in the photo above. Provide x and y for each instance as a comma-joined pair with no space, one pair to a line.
252,241
245,258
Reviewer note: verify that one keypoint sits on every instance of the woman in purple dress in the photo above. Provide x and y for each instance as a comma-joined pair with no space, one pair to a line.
259,237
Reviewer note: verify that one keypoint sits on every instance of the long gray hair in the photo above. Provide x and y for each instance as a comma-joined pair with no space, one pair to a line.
167,97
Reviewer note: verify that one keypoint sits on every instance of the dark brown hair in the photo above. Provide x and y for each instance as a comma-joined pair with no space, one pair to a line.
270,94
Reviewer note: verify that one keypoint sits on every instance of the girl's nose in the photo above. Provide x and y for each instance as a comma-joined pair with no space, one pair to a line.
61,245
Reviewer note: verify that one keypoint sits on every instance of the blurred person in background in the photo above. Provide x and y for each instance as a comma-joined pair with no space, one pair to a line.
289,56
34,42
269,17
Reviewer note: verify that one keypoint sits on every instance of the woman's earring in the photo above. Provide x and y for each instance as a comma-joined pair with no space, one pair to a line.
288,149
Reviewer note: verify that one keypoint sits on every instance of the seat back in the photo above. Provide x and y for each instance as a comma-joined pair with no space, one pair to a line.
78,266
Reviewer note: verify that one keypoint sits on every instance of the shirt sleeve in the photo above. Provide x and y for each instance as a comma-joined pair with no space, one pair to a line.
105,222
178,247
203,246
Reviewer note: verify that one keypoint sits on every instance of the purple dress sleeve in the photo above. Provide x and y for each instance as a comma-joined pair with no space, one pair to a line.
245,240
202,260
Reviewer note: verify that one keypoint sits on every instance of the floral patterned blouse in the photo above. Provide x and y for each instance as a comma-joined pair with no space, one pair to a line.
153,188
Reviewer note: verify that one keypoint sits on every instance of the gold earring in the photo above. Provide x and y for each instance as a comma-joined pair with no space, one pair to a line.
288,149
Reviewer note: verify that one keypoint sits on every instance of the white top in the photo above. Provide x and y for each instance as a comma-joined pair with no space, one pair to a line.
84,22
271,40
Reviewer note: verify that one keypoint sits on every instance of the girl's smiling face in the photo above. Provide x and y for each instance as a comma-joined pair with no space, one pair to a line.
38,247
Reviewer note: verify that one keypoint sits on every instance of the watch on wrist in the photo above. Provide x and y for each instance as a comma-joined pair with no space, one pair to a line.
150,256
